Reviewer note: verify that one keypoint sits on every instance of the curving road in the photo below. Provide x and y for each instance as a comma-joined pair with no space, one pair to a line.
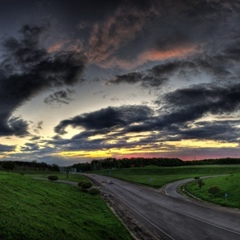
172,216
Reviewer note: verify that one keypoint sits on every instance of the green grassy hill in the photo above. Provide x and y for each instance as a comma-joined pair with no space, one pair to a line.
35,209
229,185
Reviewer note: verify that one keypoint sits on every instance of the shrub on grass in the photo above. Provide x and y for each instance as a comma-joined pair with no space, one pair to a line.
214,190
81,183
94,191
53,178
86,185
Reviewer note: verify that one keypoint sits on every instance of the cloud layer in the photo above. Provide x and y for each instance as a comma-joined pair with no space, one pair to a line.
180,57
27,69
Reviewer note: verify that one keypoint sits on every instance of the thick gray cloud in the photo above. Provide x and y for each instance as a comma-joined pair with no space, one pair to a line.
27,69
201,99
106,118
166,45
173,122
6,148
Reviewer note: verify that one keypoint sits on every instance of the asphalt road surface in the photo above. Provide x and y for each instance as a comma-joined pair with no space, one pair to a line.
172,216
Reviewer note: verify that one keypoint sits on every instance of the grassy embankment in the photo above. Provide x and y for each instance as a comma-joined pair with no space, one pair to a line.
229,185
35,209
159,176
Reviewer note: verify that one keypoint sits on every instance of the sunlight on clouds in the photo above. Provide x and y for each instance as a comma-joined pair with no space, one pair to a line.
95,137
193,143
70,131
113,152
155,55
135,137
86,154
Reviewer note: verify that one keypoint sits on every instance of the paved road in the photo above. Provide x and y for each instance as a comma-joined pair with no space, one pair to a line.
172,217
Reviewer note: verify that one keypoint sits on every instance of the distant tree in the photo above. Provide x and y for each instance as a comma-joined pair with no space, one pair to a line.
55,168
8,165
214,190
200,183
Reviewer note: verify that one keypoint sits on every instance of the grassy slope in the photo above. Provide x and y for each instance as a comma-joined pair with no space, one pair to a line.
227,184
34,209
159,176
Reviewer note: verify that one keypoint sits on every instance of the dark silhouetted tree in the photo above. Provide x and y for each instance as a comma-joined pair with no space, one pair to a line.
8,165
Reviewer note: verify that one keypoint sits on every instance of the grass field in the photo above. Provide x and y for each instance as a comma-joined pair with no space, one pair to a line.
35,209
159,176
229,185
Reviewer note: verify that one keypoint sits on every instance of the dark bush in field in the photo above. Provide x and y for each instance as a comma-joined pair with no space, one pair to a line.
81,183
86,185
53,178
214,190
94,191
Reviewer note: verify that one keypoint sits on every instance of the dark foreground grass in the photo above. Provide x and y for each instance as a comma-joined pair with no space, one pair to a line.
159,176
35,209
229,185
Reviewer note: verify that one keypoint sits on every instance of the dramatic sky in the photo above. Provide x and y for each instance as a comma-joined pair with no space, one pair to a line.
83,80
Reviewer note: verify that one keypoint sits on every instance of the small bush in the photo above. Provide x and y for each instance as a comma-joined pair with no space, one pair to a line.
53,178
86,185
94,191
81,183
214,190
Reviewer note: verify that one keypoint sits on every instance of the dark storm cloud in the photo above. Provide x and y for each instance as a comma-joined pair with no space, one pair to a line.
27,69
217,130
106,118
30,147
59,97
175,120
205,99
184,106
35,138
7,148
155,77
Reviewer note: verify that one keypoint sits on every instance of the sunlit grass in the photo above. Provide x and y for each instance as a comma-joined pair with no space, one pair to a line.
35,209
229,190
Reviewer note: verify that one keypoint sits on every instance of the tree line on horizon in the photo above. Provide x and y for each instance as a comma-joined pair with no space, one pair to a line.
113,163
33,165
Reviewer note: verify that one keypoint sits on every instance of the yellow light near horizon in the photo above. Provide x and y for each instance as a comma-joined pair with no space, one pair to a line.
108,153
86,154
194,143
